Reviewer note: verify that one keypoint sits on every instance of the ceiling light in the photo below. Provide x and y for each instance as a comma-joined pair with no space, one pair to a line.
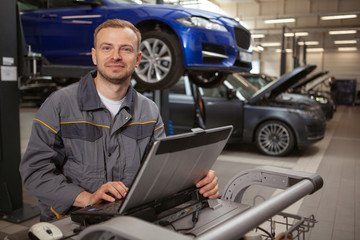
346,49
282,20
307,43
286,50
270,44
335,17
342,32
345,42
258,48
314,49
297,34
257,35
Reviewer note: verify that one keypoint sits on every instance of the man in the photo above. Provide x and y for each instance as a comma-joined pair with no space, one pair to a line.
88,139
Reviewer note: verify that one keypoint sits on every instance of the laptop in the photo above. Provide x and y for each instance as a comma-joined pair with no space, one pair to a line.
170,170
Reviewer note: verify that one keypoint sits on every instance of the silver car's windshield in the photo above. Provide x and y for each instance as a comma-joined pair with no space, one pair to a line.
241,85
258,81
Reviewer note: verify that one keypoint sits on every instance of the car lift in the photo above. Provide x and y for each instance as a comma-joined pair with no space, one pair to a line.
11,203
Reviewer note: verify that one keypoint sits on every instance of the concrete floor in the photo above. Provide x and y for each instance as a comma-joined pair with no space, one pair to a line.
336,158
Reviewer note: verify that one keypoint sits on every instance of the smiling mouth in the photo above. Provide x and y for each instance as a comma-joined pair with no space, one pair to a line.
115,66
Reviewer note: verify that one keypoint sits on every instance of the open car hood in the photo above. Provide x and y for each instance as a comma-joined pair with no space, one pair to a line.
281,85
316,82
297,86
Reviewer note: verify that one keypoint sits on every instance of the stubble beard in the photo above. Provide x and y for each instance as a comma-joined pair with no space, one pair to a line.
115,80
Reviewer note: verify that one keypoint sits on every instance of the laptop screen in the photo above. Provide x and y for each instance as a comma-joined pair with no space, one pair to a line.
175,163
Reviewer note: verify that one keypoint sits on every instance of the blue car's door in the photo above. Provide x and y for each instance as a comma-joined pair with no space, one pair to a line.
64,29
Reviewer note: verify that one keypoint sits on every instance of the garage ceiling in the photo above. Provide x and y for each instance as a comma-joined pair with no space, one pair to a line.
307,18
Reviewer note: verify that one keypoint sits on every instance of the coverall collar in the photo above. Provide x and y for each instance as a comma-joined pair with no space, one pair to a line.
89,99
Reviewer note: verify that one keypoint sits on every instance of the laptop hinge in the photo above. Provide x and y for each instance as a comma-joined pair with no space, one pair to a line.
197,130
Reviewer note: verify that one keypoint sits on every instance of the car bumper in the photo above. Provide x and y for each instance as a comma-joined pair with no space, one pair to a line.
314,131
205,50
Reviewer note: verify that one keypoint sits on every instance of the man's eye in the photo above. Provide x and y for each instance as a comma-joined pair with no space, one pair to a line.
106,48
126,50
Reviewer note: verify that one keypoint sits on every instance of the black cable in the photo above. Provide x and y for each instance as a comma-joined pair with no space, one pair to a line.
269,234
195,219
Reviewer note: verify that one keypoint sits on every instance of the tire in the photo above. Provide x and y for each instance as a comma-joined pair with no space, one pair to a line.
275,138
207,79
161,62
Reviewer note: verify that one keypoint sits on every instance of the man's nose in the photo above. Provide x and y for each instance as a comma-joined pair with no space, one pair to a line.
116,54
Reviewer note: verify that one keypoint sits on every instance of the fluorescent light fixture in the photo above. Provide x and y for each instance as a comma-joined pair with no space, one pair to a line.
280,20
260,48
345,42
257,35
347,49
288,50
307,43
336,17
342,32
270,44
297,34
314,49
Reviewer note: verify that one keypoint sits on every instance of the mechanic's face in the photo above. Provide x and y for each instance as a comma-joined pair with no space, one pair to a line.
115,54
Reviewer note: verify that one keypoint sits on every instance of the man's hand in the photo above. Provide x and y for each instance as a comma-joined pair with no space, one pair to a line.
108,192
209,185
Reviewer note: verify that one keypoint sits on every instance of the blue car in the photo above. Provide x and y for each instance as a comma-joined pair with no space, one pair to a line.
175,40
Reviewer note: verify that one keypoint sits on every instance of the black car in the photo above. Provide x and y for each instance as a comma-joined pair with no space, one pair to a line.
307,86
297,91
276,127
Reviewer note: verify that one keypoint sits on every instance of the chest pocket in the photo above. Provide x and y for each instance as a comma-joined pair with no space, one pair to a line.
81,130
139,130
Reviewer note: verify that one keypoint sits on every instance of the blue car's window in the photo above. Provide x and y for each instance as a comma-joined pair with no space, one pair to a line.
62,4
31,4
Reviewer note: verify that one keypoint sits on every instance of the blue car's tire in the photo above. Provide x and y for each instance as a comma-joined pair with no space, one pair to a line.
161,62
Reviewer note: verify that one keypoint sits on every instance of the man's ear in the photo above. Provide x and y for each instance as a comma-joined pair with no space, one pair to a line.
93,54
138,58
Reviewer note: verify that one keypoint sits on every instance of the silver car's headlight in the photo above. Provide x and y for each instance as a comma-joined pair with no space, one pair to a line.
321,100
201,23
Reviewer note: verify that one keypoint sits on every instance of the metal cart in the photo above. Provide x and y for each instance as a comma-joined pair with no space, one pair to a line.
296,185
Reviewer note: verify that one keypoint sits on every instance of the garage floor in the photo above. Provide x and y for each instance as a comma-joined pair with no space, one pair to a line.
336,158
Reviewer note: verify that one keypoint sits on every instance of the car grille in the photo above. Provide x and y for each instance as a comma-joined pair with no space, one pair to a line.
242,37
315,130
216,50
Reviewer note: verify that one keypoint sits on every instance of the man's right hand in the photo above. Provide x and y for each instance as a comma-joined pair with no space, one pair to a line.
108,192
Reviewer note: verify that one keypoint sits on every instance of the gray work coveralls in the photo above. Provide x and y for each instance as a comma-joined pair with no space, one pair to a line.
74,147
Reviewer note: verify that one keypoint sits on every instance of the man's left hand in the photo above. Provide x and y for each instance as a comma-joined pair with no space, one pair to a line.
209,186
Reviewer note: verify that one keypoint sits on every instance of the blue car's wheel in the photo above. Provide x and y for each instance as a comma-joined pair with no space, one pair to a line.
275,138
161,62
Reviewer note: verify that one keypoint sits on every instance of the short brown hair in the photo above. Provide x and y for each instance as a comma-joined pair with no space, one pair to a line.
118,23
